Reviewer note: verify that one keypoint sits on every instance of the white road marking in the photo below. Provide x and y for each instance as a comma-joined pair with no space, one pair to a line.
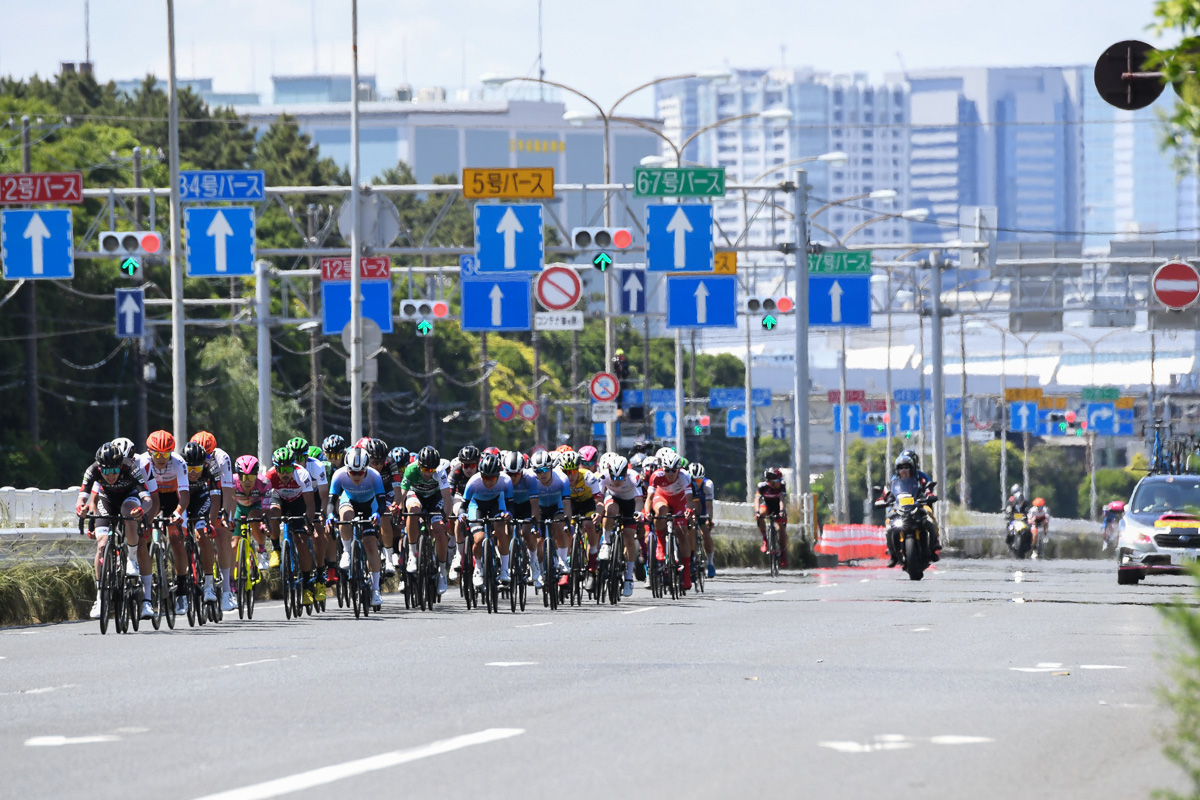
865,747
1035,669
1054,664
952,739
337,772
1018,599
132,730
827,585
1018,576
250,663
59,741
535,625
775,591
980,614
640,610
42,689
510,664
865,580
919,630
1100,666
18,633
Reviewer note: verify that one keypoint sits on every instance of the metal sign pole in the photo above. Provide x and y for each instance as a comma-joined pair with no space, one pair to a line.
356,317
178,361
800,383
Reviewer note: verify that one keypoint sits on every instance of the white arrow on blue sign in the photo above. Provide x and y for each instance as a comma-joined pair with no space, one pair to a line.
632,283
220,241
131,313
909,417
953,416
1023,417
735,397
735,423
839,301
679,238
1102,419
508,238
335,305
37,245
1124,422
496,305
702,302
665,424
853,418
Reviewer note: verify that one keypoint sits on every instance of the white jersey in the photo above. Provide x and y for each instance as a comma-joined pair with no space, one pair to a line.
224,467
627,489
316,471
170,479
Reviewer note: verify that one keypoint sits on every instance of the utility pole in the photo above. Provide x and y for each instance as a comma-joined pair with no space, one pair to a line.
262,313
356,244
485,391
938,416
431,395
750,485
574,383
964,489
139,351
800,375
313,359
539,428
178,344
31,326
647,414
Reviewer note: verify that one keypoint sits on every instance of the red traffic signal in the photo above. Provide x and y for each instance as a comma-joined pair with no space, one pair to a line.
705,419
441,309
130,243
784,305
1070,416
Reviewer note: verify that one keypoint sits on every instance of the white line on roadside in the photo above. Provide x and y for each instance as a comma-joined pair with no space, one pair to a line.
42,689
511,664
774,591
919,630
336,772
249,663
952,739
1100,666
640,610
59,741
535,625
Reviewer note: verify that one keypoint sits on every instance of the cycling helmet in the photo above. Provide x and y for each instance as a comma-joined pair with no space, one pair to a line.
299,445
400,456
283,457
194,455
246,465
650,464
1016,491
563,448
512,461
108,456
670,461
124,445
1115,505
697,470
357,459
469,454
662,451
334,444
489,466
773,474
541,461
569,461
315,453
615,467
637,461
492,451
587,454
377,449
913,456
429,458
363,442
160,442
684,463
1039,502
206,440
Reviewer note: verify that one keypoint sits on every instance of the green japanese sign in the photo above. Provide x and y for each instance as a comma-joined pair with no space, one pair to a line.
1100,394
840,262
678,182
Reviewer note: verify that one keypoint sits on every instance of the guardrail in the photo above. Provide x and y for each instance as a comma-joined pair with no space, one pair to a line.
36,508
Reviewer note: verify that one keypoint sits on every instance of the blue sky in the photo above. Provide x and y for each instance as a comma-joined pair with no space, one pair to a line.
602,49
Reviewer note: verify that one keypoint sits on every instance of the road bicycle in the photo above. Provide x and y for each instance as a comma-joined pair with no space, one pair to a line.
773,551
358,578
245,575
519,569
291,577
420,588
577,561
119,599
549,557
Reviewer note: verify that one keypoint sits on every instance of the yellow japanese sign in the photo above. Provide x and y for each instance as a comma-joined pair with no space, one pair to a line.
1124,402
522,183
1052,403
725,263
1022,395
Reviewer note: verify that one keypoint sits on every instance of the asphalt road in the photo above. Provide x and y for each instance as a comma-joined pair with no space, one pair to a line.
989,679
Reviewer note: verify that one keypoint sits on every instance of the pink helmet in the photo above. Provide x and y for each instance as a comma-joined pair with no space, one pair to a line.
246,465
587,453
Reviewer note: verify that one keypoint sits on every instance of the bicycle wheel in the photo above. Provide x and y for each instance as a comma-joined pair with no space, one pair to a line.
773,549
252,578
239,576
489,575
466,575
515,576
356,577
616,572
652,565
575,586
107,558
119,600
156,585
286,579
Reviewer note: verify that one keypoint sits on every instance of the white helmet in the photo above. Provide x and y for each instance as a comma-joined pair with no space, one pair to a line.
670,460
662,453
697,470
650,464
125,446
615,466
357,459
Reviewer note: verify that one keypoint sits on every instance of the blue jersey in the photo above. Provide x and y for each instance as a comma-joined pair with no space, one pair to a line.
552,495
476,493
524,486
344,490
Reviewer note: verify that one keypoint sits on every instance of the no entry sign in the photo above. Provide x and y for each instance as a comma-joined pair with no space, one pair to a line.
1176,284
558,288
604,387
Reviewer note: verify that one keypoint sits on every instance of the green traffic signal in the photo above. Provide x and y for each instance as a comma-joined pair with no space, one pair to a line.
769,322
602,261
697,430
424,327
130,266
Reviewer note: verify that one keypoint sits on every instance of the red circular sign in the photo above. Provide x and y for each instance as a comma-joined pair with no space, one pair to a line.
1176,284
505,411
558,288
604,387
528,411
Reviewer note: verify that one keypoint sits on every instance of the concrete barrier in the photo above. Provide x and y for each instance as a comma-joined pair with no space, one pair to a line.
33,507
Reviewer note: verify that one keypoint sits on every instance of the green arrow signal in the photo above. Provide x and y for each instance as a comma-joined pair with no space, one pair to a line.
130,266
602,261
424,327
769,322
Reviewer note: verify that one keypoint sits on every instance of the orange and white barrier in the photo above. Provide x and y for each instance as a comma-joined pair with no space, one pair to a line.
852,542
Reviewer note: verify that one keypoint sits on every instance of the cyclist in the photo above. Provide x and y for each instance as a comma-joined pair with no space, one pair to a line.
619,484
771,499
252,498
222,467
357,490
670,493
377,453
553,492
203,483
702,496
1039,518
584,488
461,470
524,488
334,448
292,496
171,500
426,489
115,486
488,495
316,471
587,457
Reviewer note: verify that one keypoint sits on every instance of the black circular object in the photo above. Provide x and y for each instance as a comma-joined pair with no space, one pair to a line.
1112,67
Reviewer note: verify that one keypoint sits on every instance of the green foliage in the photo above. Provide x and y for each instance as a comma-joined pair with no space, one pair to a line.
1180,65
1182,744
31,592
1111,484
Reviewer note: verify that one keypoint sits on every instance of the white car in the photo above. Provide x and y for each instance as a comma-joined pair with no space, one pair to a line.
1160,532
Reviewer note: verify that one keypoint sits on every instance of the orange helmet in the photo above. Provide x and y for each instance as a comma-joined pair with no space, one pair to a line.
161,442
1039,502
207,441
564,448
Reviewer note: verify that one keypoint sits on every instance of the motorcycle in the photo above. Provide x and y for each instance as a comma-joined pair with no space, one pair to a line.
1020,538
908,525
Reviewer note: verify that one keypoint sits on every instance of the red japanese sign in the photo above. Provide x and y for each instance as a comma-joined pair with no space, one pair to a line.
41,187
872,406
374,268
852,395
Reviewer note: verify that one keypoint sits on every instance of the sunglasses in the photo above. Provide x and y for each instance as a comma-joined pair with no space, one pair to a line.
670,471
157,455
358,473
109,470
286,469
428,470
542,470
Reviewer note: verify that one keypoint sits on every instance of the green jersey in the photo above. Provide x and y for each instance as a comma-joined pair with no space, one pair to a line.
423,485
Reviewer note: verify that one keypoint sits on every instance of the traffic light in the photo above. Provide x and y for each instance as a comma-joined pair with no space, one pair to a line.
130,243
771,308
877,420
605,240
700,424
1067,423
422,311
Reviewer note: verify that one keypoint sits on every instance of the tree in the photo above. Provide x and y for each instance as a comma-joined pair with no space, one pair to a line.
1180,66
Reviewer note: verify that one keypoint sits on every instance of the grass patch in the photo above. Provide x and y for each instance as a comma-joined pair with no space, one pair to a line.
1182,745
32,593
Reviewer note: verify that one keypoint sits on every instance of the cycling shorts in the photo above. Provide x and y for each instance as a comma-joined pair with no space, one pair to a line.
626,508
167,503
113,506
291,508
676,503
485,509
523,510
584,507
361,508
431,504
550,511
247,512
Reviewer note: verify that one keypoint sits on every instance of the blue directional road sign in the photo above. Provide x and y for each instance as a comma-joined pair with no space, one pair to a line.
496,305
197,185
735,423
910,395
734,397
335,305
1102,419
679,238
853,418
131,313
632,285
1023,417
908,417
659,398
953,416
839,301
778,428
468,267
598,430
1124,422
665,423
702,302
220,241
37,245
508,238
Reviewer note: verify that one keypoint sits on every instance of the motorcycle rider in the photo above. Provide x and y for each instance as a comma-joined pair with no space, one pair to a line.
1017,504
905,468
